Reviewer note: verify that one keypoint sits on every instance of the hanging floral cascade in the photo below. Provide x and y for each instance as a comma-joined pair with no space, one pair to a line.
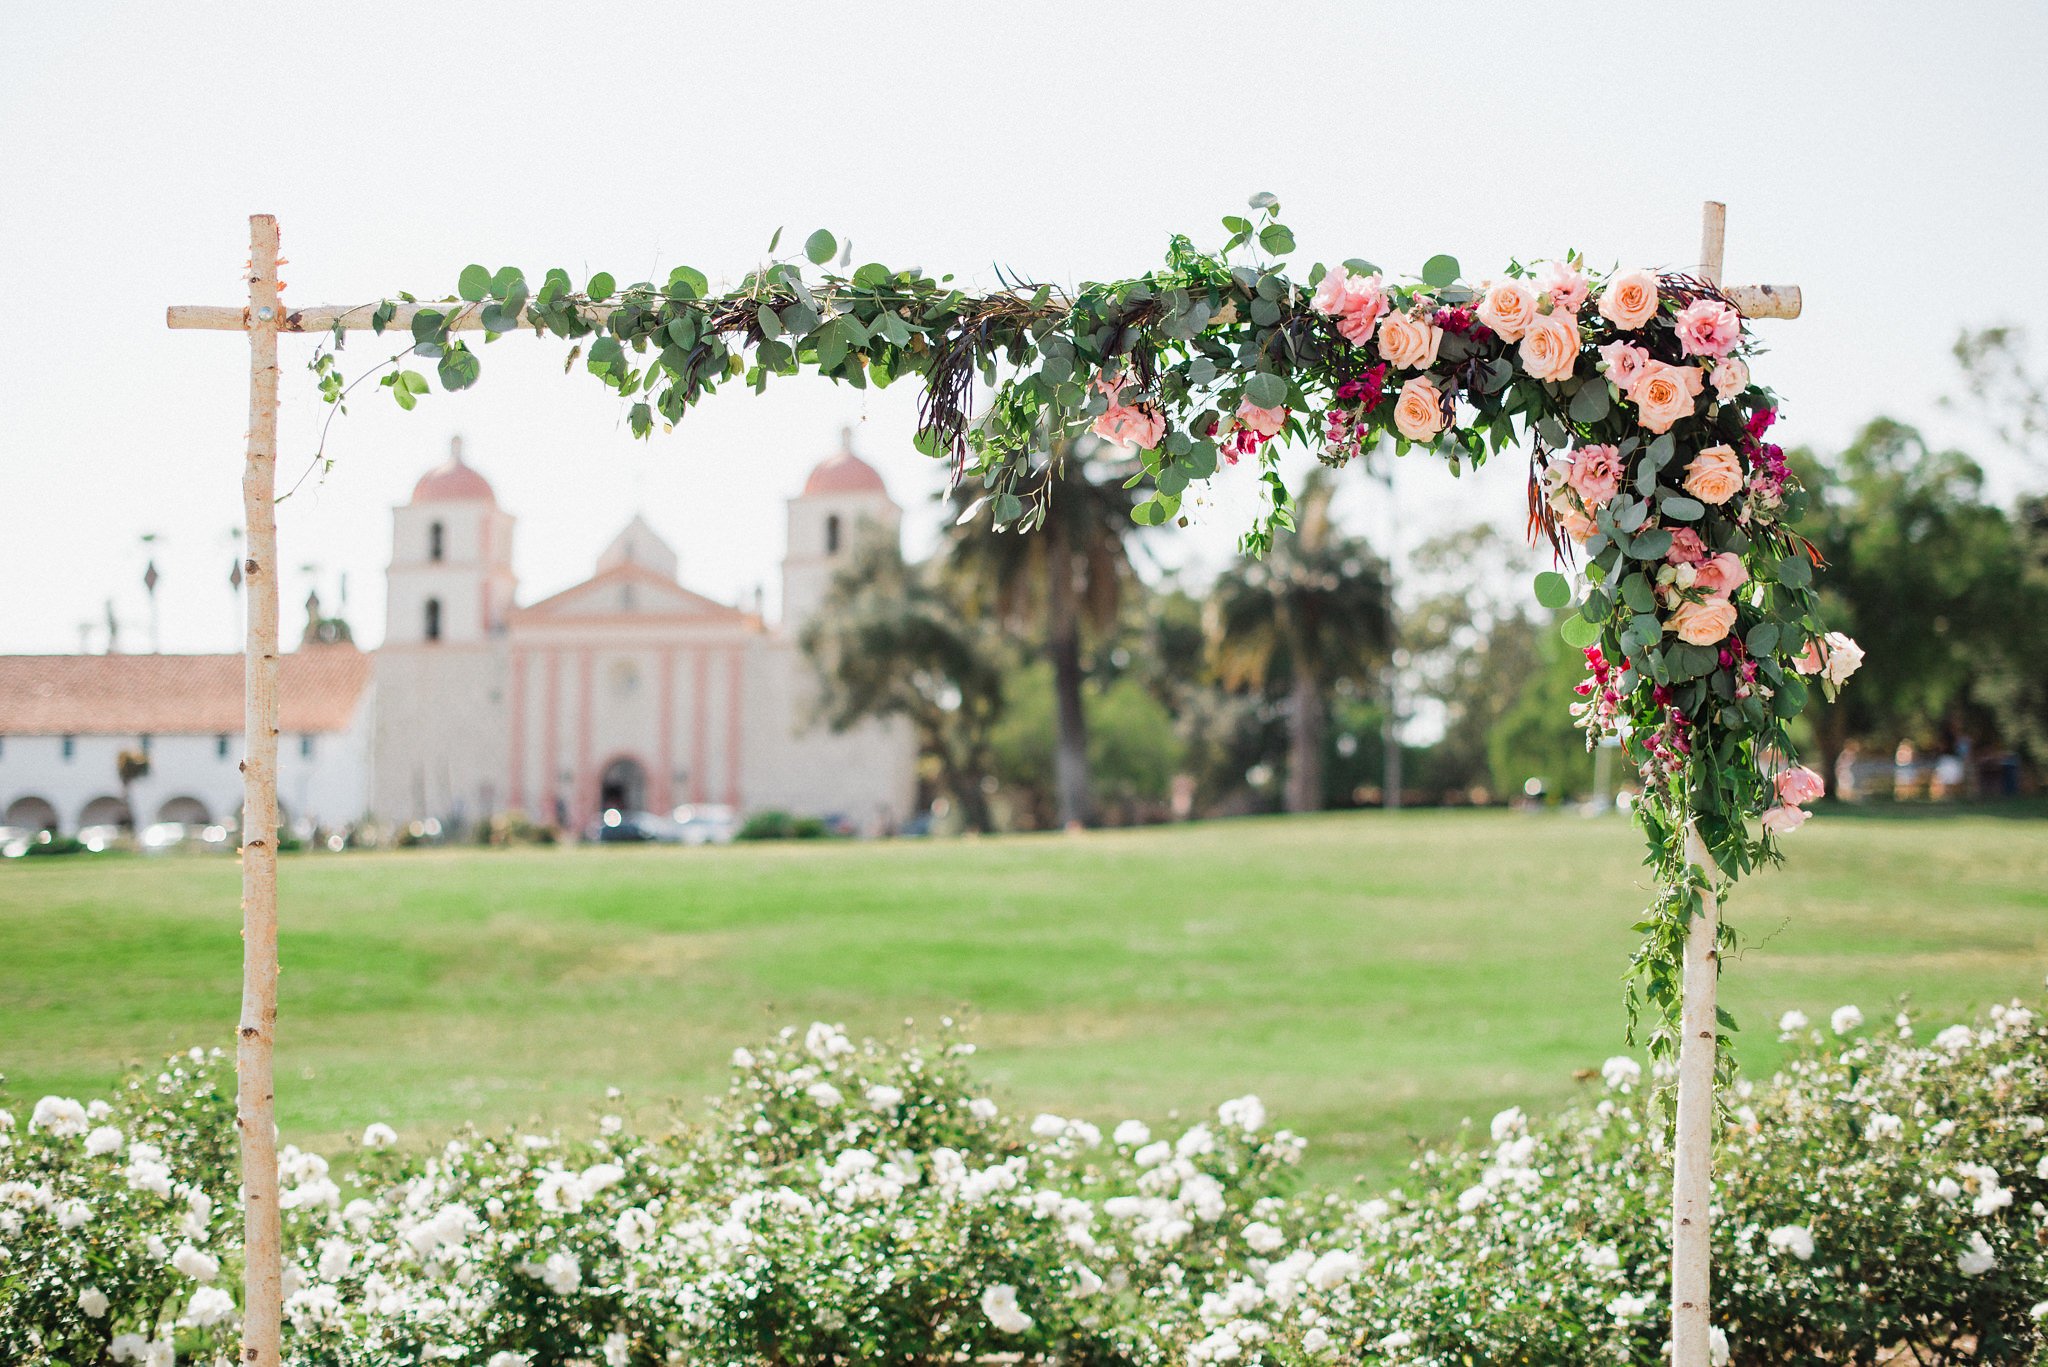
1651,474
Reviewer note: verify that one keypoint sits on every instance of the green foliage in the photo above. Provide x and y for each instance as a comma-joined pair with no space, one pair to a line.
774,824
1133,749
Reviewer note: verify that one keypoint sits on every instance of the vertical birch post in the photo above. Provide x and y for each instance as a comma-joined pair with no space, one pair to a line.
1692,1181
255,1098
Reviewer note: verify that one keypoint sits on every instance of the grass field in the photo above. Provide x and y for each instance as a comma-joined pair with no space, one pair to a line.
1375,977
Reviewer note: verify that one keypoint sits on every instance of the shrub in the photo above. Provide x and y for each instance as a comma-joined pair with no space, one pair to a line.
850,1202
780,825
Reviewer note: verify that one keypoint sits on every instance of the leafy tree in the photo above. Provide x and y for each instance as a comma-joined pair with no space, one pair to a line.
1929,579
1133,749
1315,613
1533,736
889,641
1063,577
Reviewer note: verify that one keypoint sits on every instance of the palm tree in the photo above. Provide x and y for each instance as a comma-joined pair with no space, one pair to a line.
1066,576
1315,613
889,641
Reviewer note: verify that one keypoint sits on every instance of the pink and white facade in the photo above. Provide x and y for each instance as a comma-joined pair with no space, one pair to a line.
627,690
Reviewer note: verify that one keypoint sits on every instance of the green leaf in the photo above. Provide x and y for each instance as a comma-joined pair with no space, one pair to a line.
1762,638
1266,389
1794,571
1233,224
1683,508
1275,238
685,282
601,286
1008,508
1590,404
641,419
1579,633
475,282
1265,312
1439,271
459,369
1553,590
1636,591
821,247
1650,545
1264,199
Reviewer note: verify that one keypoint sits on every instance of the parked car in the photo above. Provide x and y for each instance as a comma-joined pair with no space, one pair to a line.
166,836
708,823
99,838
634,828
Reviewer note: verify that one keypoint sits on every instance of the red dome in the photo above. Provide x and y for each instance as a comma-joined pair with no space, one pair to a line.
453,482
845,473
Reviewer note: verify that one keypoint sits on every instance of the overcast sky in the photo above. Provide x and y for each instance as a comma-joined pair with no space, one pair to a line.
1888,158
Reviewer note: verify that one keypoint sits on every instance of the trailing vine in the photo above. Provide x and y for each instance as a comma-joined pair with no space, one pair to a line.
1650,475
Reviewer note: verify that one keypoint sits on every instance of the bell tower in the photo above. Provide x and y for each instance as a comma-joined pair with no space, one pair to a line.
450,579
843,497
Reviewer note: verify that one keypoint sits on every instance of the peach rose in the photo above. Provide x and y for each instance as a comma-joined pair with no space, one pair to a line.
1550,347
1704,623
1730,377
1798,786
1508,308
1267,422
1720,574
1409,342
1785,820
1595,474
1624,362
1576,524
1664,393
1630,300
1714,475
1418,413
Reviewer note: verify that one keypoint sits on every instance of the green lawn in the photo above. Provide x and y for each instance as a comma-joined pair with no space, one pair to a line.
1375,977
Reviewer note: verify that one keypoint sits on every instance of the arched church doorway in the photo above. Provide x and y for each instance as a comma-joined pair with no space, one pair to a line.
623,786
30,814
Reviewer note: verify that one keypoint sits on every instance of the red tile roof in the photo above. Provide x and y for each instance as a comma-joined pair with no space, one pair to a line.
319,687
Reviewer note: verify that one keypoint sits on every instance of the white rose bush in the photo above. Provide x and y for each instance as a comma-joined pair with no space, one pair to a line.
855,1202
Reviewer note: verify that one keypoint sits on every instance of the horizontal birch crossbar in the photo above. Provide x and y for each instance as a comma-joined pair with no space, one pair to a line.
1751,301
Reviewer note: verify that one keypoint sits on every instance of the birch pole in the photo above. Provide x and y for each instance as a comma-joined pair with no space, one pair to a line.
255,1097
1692,1179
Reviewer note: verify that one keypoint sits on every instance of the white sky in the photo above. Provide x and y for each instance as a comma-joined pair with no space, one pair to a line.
1888,158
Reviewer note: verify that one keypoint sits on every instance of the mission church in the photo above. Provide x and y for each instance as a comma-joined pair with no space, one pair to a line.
625,691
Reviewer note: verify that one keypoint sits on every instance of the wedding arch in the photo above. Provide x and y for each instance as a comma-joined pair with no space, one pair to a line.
1650,477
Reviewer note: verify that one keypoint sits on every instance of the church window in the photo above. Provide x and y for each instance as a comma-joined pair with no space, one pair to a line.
70,746
305,747
220,746
433,623
436,541
145,746
832,534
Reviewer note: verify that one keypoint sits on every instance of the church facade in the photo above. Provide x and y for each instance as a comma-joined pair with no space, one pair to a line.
627,690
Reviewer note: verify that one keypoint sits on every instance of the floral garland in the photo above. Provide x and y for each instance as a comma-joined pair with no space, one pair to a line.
1696,607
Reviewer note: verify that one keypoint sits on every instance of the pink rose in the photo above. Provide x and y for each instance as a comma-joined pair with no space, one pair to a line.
1630,300
1811,660
1508,308
1785,820
1595,474
1845,657
1714,475
1707,327
1418,413
1722,574
1550,346
1799,786
1128,426
1624,362
1329,296
1704,623
1730,377
1267,422
1686,547
1664,393
1564,283
1409,342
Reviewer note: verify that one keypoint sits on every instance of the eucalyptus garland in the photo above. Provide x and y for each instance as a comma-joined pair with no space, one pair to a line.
1651,475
